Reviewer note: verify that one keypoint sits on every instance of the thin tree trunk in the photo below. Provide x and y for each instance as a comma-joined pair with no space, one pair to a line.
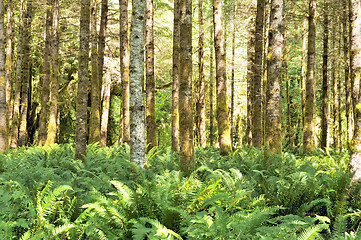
45,91
303,62
94,123
185,88
105,111
3,105
274,72
150,83
221,78
257,136
201,114
334,91
106,95
9,69
53,112
82,93
339,95
175,87
346,50
211,46
124,68
324,116
308,141
17,89
137,114
250,62
232,74
266,25
26,76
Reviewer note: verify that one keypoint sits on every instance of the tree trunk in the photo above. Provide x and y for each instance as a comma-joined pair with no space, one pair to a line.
257,136
26,76
137,114
185,88
303,62
150,83
221,80
124,68
334,91
339,95
274,72
9,69
308,141
18,77
105,110
250,63
106,95
53,112
324,116
94,123
211,46
45,91
83,75
200,107
175,87
3,106
355,65
232,74
346,50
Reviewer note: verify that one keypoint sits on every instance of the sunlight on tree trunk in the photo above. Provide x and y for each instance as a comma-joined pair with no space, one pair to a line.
3,107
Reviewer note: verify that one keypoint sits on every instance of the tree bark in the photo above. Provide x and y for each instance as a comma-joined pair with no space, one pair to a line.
324,116
175,87
18,77
82,93
9,69
232,73
334,91
26,76
303,62
200,106
45,91
257,131
106,95
150,83
185,88
94,122
274,72
346,50
221,80
3,105
211,46
53,112
124,68
137,114
308,128
355,65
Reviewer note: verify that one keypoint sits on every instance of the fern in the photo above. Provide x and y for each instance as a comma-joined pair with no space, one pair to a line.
311,232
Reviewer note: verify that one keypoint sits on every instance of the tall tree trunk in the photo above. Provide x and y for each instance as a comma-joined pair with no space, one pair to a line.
339,95
346,50
266,24
3,106
324,116
355,64
257,131
106,96
150,83
308,141
303,62
83,75
18,77
232,73
200,107
175,87
9,69
94,123
221,80
124,68
334,91
53,111
105,110
274,72
45,91
185,88
211,46
26,76
137,114
250,62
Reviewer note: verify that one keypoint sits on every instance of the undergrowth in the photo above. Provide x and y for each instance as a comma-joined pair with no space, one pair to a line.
46,194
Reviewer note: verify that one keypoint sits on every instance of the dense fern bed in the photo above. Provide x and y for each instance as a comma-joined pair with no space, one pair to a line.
45,194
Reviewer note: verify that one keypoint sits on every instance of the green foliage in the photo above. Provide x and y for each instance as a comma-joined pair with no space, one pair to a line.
46,194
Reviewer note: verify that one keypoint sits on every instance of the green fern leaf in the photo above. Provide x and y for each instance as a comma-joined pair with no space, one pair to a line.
311,232
62,229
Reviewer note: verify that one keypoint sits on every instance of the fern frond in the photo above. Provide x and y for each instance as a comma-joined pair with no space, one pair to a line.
61,229
311,232
26,235
124,191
